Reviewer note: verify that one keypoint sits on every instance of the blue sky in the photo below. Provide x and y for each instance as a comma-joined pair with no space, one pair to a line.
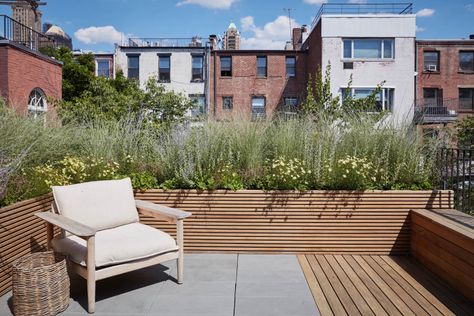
97,24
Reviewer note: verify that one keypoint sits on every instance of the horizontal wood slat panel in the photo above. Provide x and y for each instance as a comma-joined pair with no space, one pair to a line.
446,247
251,221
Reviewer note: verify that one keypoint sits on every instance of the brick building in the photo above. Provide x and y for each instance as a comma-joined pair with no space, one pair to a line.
256,82
445,81
29,81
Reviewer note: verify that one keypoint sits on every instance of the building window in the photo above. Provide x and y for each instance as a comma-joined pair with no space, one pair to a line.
431,61
290,66
383,98
134,67
466,98
226,66
368,49
431,97
37,103
261,66
164,68
103,68
258,107
200,104
466,61
227,103
198,68
290,102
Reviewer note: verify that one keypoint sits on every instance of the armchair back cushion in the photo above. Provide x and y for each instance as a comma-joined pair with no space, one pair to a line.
99,204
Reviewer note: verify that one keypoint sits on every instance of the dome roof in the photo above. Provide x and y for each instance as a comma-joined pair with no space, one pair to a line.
232,26
56,31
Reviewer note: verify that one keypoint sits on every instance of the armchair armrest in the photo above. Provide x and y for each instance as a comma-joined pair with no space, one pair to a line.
156,210
67,224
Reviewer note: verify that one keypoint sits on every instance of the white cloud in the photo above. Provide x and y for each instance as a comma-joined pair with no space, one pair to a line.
420,29
211,4
358,1
470,7
425,12
272,35
247,23
99,34
315,1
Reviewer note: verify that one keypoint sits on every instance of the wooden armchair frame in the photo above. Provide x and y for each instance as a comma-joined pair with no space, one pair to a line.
89,272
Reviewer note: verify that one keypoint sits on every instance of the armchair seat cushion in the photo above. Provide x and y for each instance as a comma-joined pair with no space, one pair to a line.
118,245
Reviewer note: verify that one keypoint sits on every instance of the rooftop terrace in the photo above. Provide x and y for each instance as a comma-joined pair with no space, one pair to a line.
361,9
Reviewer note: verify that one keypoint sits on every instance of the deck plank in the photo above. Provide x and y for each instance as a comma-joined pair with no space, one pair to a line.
359,301
385,301
316,290
403,293
360,286
337,286
329,293
380,285
411,281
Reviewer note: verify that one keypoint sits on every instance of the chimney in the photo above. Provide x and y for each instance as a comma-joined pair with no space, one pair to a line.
297,38
471,36
213,41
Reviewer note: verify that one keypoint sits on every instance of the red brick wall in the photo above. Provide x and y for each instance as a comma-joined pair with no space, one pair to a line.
21,71
314,46
449,78
244,83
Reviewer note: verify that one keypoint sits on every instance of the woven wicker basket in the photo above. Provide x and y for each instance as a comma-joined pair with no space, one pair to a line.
40,284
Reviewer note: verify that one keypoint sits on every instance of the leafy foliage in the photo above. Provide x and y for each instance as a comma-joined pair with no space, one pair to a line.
465,132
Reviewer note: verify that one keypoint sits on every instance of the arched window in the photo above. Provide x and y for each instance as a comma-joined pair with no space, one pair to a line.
37,103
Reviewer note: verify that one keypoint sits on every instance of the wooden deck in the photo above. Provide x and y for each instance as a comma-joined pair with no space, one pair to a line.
379,285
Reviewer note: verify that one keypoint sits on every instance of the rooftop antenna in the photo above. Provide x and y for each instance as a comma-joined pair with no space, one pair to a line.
289,19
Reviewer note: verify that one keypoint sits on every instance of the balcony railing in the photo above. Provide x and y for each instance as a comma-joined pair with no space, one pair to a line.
436,111
365,8
163,42
19,33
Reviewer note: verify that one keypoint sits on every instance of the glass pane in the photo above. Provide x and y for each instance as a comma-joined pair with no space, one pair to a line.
388,49
103,68
431,60
226,63
258,102
197,62
466,61
362,93
133,61
261,62
290,61
367,49
133,73
164,62
347,49
291,101
227,103
466,98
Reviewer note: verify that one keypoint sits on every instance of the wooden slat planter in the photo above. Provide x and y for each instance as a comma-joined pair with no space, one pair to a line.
333,222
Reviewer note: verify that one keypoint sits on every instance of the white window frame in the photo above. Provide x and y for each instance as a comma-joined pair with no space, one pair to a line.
382,44
384,95
33,100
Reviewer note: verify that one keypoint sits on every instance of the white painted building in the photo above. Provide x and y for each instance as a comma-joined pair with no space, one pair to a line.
177,64
373,49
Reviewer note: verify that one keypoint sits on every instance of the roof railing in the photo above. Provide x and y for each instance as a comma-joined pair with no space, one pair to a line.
362,8
21,34
163,42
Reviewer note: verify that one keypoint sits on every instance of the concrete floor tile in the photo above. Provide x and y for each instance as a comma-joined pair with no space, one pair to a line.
275,306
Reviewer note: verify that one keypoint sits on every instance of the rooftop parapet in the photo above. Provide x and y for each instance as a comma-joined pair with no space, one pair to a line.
163,42
361,9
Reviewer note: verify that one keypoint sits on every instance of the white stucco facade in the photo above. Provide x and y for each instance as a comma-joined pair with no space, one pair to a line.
180,67
398,72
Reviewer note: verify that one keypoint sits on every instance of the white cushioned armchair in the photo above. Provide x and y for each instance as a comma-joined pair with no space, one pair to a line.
102,235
